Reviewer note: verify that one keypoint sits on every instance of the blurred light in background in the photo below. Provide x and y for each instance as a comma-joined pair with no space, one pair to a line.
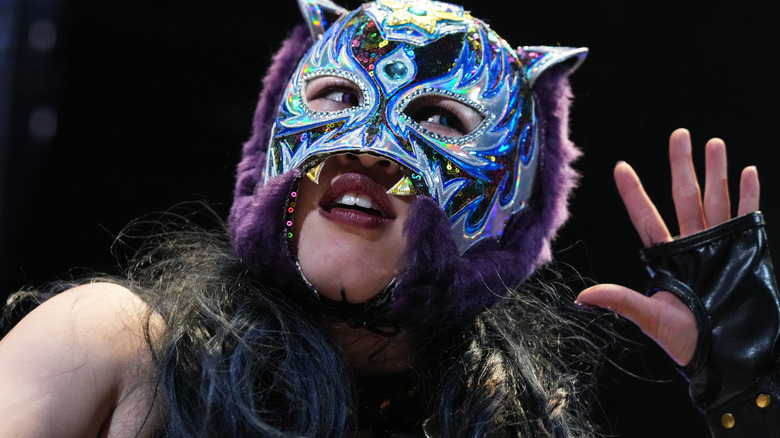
30,78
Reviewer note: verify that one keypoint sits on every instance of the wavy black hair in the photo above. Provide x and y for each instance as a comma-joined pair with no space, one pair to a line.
239,358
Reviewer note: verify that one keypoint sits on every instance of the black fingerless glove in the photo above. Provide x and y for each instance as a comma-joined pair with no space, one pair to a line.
725,275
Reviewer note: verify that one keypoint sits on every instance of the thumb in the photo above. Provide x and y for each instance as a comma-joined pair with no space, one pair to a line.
626,302
662,317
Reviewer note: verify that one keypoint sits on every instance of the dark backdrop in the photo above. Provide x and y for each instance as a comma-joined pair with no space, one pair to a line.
154,99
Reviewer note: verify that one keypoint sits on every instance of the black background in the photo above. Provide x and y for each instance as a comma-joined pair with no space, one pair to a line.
155,98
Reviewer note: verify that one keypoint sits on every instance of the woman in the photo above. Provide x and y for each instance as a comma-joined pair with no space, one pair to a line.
403,179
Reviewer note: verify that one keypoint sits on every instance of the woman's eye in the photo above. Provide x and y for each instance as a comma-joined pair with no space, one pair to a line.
347,97
332,93
443,116
440,121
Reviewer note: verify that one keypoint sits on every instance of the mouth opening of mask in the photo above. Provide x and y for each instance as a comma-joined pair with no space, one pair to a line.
408,183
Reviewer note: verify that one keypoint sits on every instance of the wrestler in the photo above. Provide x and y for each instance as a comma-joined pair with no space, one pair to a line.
407,172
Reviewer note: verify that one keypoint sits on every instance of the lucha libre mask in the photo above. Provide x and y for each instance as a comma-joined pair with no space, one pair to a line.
477,160
490,167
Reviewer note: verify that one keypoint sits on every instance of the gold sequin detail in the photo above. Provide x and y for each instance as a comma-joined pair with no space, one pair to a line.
402,188
314,173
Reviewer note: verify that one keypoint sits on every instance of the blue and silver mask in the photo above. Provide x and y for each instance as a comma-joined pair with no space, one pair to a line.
428,86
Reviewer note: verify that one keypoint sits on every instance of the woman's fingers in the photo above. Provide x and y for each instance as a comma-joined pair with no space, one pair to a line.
662,317
645,217
693,215
717,207
685,187
748,191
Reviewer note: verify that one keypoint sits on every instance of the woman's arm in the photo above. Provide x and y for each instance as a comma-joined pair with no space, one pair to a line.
79,366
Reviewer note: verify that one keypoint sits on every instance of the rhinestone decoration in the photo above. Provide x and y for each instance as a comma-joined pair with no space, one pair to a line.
395,70
398,69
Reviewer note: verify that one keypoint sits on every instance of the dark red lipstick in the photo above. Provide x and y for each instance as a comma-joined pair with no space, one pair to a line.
357,216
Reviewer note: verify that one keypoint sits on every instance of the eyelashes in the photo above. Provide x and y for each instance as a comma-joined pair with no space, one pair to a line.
332,93
443,116
433,113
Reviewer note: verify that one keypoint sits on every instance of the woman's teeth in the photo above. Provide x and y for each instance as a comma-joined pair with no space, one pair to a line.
361,200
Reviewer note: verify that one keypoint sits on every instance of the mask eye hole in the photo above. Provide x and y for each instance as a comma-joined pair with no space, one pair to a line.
443,116
332,93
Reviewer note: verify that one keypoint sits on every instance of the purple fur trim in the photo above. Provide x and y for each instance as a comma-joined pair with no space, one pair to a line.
258,232
250,169
257,211
555,179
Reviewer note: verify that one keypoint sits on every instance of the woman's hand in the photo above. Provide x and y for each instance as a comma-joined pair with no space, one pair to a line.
663,317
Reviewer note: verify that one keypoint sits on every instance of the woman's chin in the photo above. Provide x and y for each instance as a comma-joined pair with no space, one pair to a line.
354,292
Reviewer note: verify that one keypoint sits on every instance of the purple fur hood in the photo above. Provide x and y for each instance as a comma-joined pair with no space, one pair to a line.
436,284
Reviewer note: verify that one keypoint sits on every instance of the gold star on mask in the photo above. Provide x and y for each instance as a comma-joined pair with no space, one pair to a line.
421,14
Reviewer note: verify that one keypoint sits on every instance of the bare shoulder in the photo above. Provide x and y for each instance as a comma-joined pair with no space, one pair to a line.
91,319
80,365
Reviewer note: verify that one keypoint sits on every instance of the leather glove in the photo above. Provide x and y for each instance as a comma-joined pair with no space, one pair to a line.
725,276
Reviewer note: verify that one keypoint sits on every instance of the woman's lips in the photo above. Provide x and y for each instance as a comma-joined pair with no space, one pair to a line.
365,203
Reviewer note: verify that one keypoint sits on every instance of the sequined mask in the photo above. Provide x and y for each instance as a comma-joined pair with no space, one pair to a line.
409,66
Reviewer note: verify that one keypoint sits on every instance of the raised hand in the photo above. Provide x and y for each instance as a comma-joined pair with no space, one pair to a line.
663,317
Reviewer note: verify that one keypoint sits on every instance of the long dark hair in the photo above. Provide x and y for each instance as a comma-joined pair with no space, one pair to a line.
239,358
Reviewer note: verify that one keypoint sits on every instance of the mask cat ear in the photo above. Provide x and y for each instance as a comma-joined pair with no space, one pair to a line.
538,59
320,15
